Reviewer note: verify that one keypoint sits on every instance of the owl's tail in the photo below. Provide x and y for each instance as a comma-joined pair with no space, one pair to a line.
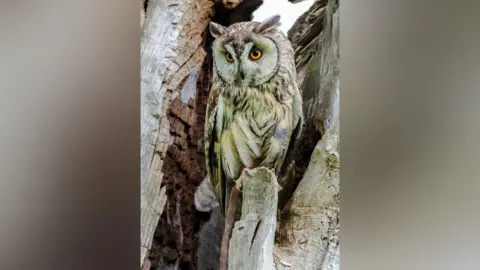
205,199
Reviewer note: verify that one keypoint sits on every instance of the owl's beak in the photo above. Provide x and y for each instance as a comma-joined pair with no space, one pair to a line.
242,74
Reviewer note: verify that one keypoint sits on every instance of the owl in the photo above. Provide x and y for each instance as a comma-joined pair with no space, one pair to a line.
254,109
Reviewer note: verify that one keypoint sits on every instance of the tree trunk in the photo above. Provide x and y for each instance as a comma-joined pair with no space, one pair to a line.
251,244
172,56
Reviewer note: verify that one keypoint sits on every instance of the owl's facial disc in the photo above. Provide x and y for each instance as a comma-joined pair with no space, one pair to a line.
251,61
226,61
259,60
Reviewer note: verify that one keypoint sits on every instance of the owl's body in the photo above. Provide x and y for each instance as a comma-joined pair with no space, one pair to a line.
255,108
255,131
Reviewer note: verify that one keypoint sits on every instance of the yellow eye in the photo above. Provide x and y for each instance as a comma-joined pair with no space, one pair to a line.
229,57
255,54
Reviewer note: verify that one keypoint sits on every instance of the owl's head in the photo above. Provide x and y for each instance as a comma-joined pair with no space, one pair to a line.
247,53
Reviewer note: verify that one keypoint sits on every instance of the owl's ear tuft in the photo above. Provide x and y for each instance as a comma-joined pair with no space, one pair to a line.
217,30
268,24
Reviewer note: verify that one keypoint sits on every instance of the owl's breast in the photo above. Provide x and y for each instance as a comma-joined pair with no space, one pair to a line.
254,138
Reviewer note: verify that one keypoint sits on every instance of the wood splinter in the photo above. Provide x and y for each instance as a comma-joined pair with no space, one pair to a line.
227,232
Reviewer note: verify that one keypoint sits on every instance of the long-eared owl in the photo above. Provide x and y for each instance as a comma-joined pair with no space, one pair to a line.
254,110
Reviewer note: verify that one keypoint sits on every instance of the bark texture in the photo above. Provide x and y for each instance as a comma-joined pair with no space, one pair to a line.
142,13
315,40
251,244
309,231
172,55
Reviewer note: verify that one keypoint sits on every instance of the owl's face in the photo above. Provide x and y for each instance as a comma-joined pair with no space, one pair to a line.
243,54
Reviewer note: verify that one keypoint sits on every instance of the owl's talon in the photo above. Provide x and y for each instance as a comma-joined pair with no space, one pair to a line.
239,184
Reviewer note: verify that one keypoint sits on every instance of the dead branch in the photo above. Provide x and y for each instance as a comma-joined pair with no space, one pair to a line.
227,231
252,239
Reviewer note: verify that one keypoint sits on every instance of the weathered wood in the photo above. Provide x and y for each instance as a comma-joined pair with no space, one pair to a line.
232,205
152,203
315,38
142,13
170,51
252,239
323,72
310,227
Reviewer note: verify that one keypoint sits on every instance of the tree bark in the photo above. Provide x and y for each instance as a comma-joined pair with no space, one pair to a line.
251,244
142,13
309,230
171,53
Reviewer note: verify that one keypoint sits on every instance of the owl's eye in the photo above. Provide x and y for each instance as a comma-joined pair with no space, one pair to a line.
229,57
255,54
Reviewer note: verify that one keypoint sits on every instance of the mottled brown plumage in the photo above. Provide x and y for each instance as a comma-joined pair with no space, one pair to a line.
254,110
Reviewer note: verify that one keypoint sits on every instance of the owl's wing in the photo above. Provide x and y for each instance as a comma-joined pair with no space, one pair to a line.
297,111
213,130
